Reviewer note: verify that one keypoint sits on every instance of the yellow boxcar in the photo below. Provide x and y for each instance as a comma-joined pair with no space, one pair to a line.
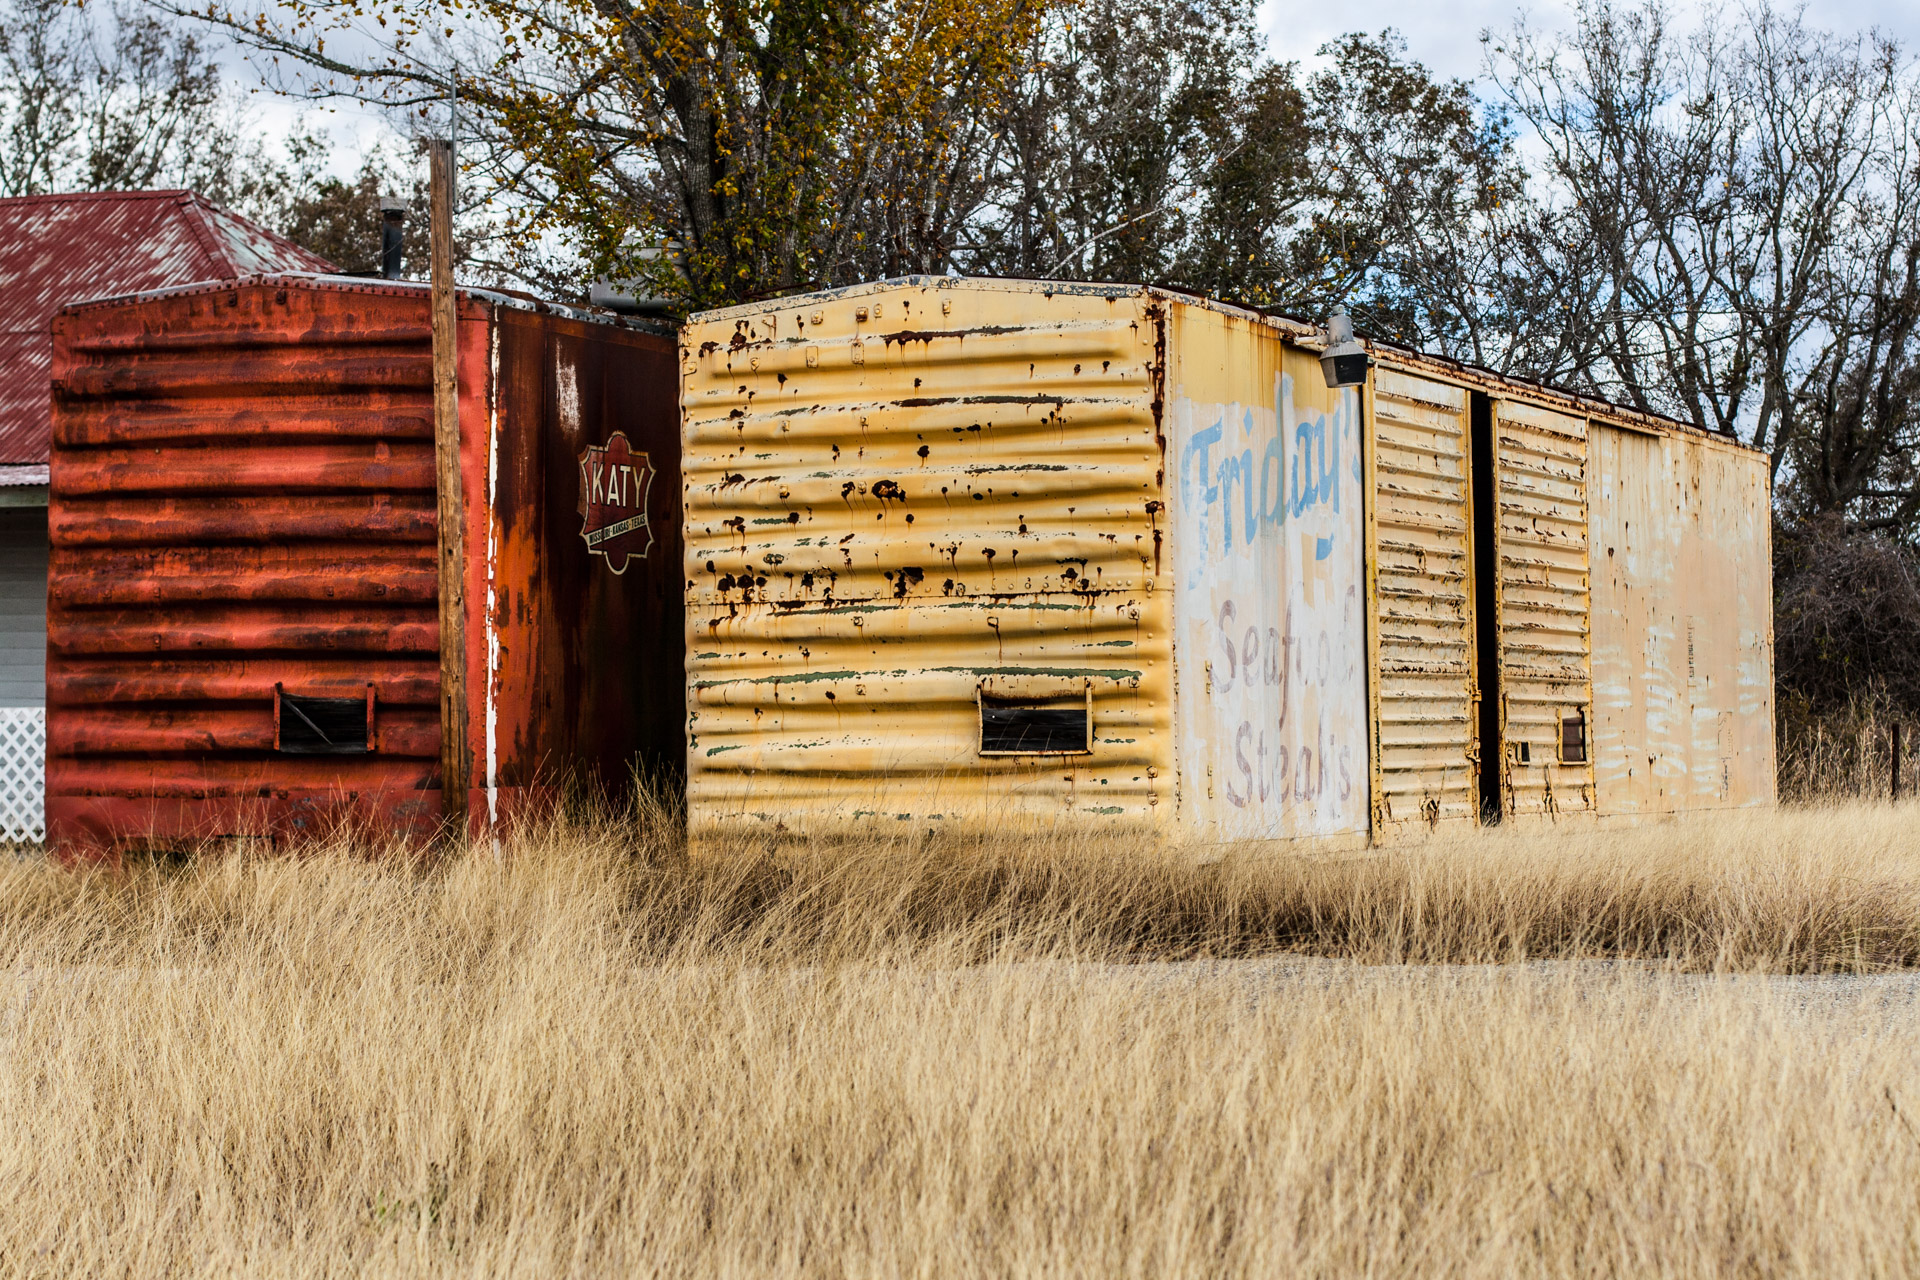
1000,555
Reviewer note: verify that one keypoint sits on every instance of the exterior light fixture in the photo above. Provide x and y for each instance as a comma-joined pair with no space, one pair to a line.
1345,361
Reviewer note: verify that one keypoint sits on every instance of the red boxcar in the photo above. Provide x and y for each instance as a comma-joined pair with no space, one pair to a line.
242,635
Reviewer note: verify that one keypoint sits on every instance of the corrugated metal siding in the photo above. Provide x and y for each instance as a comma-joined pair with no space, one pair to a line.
244,495
1683,623
1544,610
896,494
243,492
844,612
1423,602
23,607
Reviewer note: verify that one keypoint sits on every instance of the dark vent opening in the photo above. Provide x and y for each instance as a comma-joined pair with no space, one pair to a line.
1573,738
1023,729
320,726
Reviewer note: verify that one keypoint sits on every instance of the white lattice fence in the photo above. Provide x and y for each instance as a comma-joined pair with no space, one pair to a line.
23,773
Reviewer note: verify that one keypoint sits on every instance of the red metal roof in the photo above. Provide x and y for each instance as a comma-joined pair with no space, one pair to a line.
59,249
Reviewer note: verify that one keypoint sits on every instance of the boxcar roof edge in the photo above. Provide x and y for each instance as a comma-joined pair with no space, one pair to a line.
1303,332
374,284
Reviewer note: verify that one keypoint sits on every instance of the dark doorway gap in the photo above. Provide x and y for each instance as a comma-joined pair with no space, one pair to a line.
1486,605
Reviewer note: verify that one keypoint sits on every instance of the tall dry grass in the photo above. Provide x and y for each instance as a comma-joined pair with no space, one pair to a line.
1837,753
575,1056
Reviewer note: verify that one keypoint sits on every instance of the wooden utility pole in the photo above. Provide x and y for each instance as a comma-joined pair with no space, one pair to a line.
452,512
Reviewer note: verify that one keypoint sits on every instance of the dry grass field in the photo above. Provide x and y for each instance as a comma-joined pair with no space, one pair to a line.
1687,1050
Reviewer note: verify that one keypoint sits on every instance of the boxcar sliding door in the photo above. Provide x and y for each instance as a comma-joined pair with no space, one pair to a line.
1544,611
1423,616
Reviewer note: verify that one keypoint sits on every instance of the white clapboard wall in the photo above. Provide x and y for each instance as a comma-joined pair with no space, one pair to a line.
23,671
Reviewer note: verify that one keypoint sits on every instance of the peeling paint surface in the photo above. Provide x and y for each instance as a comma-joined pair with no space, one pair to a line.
914,504
1270,633
1423,611
1683,624
905,498
1544,609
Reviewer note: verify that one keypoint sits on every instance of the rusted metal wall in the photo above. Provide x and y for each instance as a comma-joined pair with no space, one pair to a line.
242,494
1270,611
576,651
904,498
243,497
1544,608
1423,604
1682,622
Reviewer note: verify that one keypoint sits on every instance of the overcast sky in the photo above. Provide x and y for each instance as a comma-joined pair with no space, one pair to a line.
1445,34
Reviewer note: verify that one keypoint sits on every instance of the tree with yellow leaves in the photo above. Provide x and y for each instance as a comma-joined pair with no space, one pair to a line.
756,135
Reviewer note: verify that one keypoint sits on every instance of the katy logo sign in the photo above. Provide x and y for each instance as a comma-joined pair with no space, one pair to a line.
614,481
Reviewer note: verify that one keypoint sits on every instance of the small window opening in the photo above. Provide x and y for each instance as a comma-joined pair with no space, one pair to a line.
311,726
1525,752
1573,738
1048,728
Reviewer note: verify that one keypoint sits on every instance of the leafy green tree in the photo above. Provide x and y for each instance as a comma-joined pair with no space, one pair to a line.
754,133
1152,142
1419,187
1116,130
